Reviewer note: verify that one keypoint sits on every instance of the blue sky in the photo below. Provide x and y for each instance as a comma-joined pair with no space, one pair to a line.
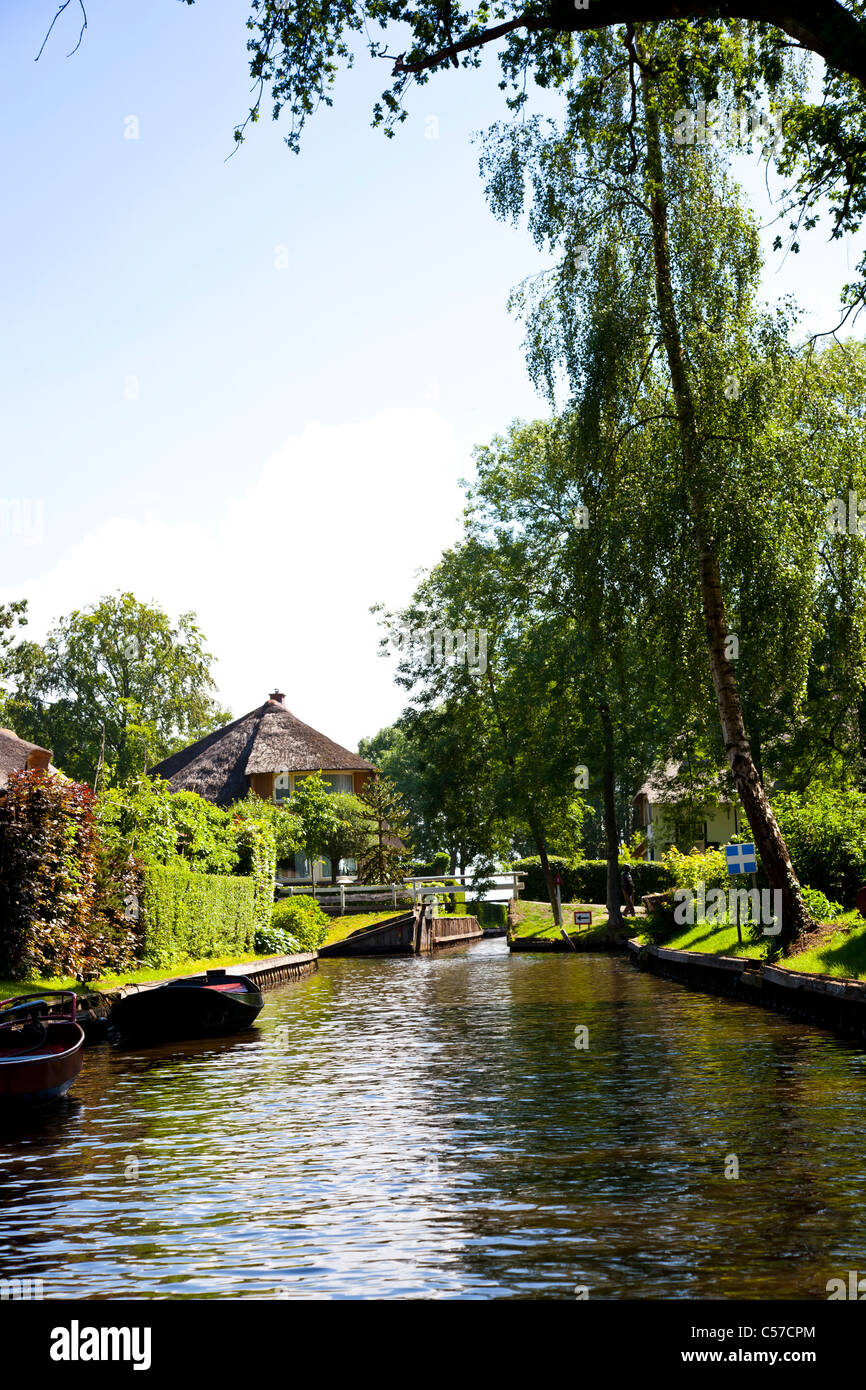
249,387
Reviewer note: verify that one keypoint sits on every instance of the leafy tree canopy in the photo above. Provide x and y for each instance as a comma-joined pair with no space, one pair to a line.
118,670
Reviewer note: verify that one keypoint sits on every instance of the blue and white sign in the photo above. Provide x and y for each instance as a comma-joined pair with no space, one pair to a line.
741,859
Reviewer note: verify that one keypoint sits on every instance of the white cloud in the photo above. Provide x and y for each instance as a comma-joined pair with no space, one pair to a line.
339,518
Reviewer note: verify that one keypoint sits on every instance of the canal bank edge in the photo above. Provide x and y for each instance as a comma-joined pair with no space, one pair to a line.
835,1004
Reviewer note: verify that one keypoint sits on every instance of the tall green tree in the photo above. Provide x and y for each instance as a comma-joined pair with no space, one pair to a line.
13,616
351,832
313,805
682,305
383,858
114,688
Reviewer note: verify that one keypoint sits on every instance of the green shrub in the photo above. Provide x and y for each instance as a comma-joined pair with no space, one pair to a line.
534,886
825,831
257,859
150,822
439,864
660,925
489,914
301,918
820,907
274,942
691,870
188,916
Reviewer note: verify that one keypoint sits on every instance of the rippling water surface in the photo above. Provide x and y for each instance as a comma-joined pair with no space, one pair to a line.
427,1127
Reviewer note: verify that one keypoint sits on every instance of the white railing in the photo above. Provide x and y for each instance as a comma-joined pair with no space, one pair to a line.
440,885
342,893
460,883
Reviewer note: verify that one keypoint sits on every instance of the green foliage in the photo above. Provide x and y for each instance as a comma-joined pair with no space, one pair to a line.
119,667
489,914
302,919
351,833
690,870
149,824
273,941
439,864
188,915
820,906
825,829
384,858
13,616
285,826
585,881
59,915
311,803
159,826
257,856
660,924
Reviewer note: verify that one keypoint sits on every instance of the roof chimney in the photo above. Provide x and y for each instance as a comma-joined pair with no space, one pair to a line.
278,697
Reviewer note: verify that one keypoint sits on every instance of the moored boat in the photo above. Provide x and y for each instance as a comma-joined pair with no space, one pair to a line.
41,1046
194,1006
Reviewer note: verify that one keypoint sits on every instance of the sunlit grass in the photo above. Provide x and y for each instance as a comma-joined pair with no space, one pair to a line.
715,939
341,927
535,920
842,955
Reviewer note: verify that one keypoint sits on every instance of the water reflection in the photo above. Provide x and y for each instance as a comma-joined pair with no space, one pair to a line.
428,1128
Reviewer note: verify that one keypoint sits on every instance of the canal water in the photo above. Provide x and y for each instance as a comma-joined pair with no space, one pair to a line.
427,1128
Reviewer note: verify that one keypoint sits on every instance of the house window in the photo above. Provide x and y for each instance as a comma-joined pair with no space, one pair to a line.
285,783
333,781
282,787
339,781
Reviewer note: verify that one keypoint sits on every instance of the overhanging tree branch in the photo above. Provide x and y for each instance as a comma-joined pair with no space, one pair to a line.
824,27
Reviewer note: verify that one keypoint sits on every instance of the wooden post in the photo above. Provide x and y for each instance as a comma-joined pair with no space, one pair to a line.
394,886
342,900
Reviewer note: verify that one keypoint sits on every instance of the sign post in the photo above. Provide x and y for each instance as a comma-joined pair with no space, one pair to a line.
741,859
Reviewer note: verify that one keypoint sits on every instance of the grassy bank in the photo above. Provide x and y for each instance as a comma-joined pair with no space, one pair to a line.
341,927
535,920
837,948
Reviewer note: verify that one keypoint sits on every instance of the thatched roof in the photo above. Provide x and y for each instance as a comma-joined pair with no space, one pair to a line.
667,781
268,739
16,755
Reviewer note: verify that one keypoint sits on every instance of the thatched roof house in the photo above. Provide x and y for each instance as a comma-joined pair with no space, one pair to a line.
684,806
17,755
266,751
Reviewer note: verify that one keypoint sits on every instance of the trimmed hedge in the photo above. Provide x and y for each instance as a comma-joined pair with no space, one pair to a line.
489,914
585,881
187,916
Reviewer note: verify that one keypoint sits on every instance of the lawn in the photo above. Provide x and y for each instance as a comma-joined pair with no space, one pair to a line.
837,948
535,920
341,927
716,940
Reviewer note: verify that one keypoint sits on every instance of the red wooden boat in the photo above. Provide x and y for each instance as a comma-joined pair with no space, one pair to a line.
41,1046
